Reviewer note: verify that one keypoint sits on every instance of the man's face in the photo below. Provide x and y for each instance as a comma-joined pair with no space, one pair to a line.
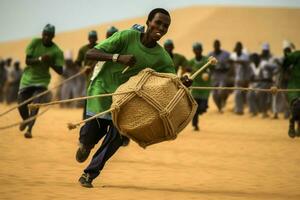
217,46
238,48
93,39
47,38
197,52
158,26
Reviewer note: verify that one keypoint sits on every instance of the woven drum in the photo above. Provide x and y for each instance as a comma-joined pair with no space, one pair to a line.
156,110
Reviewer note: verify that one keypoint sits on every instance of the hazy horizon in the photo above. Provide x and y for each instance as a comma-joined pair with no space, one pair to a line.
26,18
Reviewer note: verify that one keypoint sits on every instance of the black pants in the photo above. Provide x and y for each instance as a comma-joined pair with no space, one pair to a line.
25,94
202,107
90,135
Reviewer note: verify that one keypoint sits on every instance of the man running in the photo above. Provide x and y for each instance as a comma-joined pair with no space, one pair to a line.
124,48
180,62
41,55
202,80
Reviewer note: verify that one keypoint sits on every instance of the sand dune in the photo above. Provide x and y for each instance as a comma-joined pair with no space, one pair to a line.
252,26
231,157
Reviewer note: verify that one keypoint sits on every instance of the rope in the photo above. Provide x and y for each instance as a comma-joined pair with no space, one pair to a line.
74,125
25,121
211,61
43,93
37,105
273,90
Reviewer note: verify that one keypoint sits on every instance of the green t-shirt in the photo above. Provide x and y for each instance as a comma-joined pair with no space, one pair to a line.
294,80
198,81
179,61
81,56
110,76
38,74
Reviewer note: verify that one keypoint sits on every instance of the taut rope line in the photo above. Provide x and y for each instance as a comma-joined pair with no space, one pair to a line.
25,121
43,93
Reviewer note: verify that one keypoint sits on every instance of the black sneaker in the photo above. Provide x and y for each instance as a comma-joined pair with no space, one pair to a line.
196,128
292,133
85,180
82,153
125,141
298,132
28,134
22,126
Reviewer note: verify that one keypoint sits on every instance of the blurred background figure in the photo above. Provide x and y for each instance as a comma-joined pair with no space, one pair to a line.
110,31
252,96
292,63
280,101
70,89
138,27
203,79
220,75
88,65
267,69
240,61
180,62
41,55
2,79
12,83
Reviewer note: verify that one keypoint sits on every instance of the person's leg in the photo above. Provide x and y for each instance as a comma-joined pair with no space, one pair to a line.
217,99
23,95
34,112
112,142
90,134
196,116
238,106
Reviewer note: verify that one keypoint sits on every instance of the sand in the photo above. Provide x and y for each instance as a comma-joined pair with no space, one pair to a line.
232,157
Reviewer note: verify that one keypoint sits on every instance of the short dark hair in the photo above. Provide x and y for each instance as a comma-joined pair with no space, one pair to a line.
157,10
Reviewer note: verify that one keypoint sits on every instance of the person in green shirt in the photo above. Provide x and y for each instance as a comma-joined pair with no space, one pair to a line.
202,80
124,48
41,55
138,27
292,63
111,31
180,62
81,60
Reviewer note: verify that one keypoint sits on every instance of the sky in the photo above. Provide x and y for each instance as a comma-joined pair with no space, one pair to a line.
26,18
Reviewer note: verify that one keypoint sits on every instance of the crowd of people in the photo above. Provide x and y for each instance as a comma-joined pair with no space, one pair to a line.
103,64
238,69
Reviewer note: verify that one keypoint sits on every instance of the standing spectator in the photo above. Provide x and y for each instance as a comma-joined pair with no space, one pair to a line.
71,88
13,83
240,62
267,69
252,96
220,75
3,76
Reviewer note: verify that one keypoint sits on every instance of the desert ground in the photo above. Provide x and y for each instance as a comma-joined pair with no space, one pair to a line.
232,157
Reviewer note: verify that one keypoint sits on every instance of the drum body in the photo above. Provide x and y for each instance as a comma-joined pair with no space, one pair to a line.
156,110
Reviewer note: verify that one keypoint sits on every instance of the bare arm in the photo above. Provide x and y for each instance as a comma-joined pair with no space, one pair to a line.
44,59
99,55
